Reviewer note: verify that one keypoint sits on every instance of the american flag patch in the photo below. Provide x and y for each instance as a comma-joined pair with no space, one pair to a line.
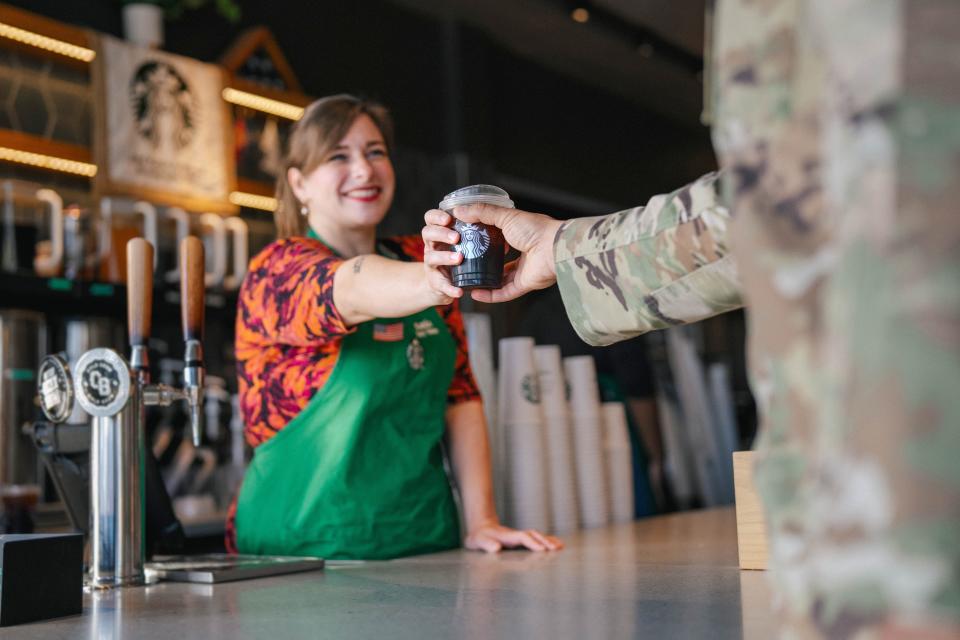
388,332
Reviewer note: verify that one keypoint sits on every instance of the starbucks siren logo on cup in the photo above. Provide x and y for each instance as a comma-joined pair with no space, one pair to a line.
530,388
474,240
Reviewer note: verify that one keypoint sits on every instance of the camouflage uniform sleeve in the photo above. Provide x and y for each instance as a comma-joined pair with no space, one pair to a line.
648,267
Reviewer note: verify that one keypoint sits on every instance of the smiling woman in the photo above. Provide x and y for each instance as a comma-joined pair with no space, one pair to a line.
344,393
332,134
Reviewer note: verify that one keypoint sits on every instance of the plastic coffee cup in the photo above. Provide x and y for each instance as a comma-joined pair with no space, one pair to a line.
482,246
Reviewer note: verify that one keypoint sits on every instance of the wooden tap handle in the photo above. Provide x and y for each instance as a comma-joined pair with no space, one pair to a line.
192,270
139,290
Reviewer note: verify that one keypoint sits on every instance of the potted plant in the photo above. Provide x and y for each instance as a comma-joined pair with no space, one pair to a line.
143,19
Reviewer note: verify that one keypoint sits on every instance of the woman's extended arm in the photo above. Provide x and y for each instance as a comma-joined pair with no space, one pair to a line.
371,286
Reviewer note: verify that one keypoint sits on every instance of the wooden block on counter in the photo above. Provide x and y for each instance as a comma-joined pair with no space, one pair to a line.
751,524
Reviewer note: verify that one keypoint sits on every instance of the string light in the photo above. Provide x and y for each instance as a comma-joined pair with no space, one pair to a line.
580,15
47,44
48,162
260,103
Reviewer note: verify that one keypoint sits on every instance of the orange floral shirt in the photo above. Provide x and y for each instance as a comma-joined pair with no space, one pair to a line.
289,332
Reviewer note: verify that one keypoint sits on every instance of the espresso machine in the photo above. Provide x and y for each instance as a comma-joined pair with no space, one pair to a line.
115,393
22,343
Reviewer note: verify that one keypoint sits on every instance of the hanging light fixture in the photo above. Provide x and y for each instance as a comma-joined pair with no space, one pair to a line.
46,43
261,103
48,162
253,201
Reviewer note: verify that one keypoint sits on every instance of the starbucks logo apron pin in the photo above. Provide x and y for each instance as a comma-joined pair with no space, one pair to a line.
415,354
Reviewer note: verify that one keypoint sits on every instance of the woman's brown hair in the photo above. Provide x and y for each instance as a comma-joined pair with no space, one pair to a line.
323,125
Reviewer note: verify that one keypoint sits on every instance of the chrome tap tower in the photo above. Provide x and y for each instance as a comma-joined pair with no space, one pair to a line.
116,395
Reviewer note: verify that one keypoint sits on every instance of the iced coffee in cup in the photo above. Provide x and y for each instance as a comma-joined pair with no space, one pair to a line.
482,246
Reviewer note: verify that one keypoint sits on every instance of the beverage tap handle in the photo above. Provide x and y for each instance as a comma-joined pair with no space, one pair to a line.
192,307
149,214
192,287
139,290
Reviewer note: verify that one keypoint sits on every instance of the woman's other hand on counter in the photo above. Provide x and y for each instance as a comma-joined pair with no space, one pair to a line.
493,537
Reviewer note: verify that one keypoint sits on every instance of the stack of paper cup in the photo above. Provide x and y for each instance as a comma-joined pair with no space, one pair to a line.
619,461
581,374
564,505
526,496
480,345
699,419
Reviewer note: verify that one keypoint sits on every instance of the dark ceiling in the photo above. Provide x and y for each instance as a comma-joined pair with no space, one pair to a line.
649,51
608,109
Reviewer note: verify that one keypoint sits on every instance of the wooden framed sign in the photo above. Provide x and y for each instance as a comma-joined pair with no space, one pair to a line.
162,129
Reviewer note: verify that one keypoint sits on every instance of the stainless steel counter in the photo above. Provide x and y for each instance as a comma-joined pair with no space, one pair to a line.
668,577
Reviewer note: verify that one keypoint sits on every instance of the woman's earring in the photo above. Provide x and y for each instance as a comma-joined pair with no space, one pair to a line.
304,211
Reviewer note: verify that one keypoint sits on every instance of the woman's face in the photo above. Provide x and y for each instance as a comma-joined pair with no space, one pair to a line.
353,185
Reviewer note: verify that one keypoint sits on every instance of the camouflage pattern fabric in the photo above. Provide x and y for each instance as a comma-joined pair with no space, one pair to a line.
837,125
648,267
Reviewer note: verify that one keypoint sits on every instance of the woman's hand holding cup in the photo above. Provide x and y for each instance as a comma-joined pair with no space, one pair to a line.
438,238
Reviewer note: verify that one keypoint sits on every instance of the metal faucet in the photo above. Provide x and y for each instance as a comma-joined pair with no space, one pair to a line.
191,313
116,395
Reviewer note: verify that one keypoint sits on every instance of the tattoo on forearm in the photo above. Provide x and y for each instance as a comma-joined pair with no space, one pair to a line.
358,264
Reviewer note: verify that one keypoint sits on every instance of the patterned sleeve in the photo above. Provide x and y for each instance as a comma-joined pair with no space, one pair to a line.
287,296
648,267
463,387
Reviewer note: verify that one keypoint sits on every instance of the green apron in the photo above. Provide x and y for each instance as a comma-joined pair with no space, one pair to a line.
358,474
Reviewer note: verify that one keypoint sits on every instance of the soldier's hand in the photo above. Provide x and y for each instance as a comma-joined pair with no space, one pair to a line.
530,233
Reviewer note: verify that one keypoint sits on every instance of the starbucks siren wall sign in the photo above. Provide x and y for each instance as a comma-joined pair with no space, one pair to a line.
162,132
